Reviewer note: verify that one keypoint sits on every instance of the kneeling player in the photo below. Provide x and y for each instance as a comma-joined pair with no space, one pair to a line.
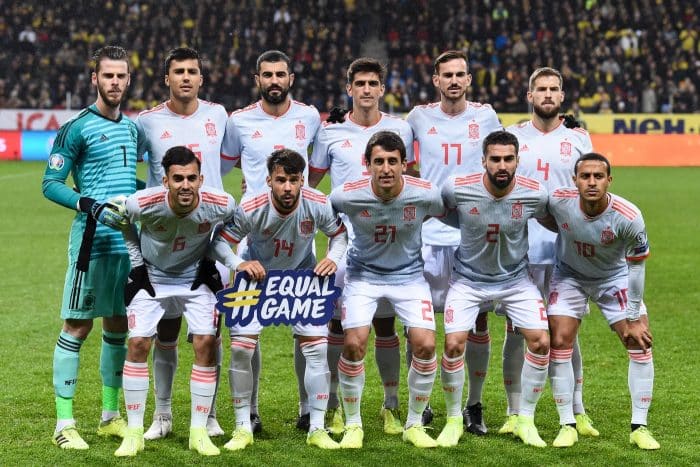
280,226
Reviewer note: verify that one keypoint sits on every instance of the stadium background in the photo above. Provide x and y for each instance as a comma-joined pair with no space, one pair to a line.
44,63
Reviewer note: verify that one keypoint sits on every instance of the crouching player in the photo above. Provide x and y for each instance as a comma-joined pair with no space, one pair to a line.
601,249
280,226
176,224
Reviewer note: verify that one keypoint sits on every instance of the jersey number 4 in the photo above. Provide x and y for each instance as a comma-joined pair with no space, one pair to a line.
283,245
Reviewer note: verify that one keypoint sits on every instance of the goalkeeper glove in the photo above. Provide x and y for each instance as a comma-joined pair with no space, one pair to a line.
337,115
138,279
571,122
208,275
111,213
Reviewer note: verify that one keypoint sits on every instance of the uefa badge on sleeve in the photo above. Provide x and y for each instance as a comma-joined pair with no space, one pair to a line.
284,297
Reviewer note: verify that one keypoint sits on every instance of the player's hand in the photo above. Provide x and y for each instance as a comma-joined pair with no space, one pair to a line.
111,213
138,279
254,269
571,122
336,115
638,332
325,267
208,275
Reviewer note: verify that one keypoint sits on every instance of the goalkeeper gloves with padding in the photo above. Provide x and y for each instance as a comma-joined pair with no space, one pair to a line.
111,213
208,275
138,280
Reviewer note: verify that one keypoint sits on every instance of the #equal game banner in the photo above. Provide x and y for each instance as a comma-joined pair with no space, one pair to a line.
284,297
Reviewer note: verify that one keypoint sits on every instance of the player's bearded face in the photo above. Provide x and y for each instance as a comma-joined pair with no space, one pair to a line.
286,189
111,81
183,183
500,163
274,82
546,97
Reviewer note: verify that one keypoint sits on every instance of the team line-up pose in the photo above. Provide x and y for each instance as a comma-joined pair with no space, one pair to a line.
517,221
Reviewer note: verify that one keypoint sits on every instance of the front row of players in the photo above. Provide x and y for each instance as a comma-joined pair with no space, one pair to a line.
600,249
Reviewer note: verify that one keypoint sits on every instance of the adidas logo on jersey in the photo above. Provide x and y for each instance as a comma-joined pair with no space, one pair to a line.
257,134
432,131
365,213
474,211
524,148
103,137
346,144
166,134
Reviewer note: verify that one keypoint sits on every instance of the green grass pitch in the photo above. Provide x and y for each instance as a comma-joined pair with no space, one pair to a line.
33,239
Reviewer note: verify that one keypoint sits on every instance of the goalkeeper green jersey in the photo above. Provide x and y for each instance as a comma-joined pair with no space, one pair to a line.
100,154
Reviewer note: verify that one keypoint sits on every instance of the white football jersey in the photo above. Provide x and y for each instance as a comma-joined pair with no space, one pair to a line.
282,241
160,128
252,135
548,158
340,147
493,247
172,246
387,244
449,145
597,248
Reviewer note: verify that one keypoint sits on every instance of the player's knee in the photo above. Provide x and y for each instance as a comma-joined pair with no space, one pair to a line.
138,349
204,349
561,341
454,345
354,349
169,329
79,328
538,343
384,327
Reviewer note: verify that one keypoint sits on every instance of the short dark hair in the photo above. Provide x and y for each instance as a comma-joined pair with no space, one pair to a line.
389,141
447,56
366,65
500,137
182,53
592,156
291,161
110,52
179,155
544,71
273,56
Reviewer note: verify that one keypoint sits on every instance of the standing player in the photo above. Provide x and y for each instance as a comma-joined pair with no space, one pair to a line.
275,122
280,226
449,134
548,151
601,249
182,120
493,208
386,212
339,147
176,221
98,149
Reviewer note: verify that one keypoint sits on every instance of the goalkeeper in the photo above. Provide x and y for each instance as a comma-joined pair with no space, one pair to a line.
98,149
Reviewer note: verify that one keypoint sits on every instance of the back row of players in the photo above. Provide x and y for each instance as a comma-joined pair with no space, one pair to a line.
492,268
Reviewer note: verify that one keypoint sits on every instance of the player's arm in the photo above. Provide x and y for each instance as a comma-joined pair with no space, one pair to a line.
549,223
138,276
337,244
637,328
315,176
230,148
220,250
451,215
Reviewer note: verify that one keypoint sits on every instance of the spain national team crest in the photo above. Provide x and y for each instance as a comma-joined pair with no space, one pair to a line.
449,315
409,213
607,236
565,149
516,211
210,128
306,227
300,130
473,130
204,227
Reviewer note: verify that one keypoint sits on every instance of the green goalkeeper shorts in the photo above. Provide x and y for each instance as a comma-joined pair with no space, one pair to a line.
98,292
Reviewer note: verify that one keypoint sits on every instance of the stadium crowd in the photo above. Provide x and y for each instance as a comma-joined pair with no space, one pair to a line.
628,56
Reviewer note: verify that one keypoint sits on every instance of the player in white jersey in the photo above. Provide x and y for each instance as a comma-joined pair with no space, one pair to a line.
386,212
548,150
339,147
601,249
449,135
176,221
280,227
182,120
276,121
492,208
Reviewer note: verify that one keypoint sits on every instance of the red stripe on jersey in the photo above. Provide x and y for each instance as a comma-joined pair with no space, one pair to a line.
313,196
146,201
350,186
638,258
154,109
468,180
260,200
317,170
417,182
624,209
245,109
219,200
227,237
527,182
230,158
583,131
564,193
